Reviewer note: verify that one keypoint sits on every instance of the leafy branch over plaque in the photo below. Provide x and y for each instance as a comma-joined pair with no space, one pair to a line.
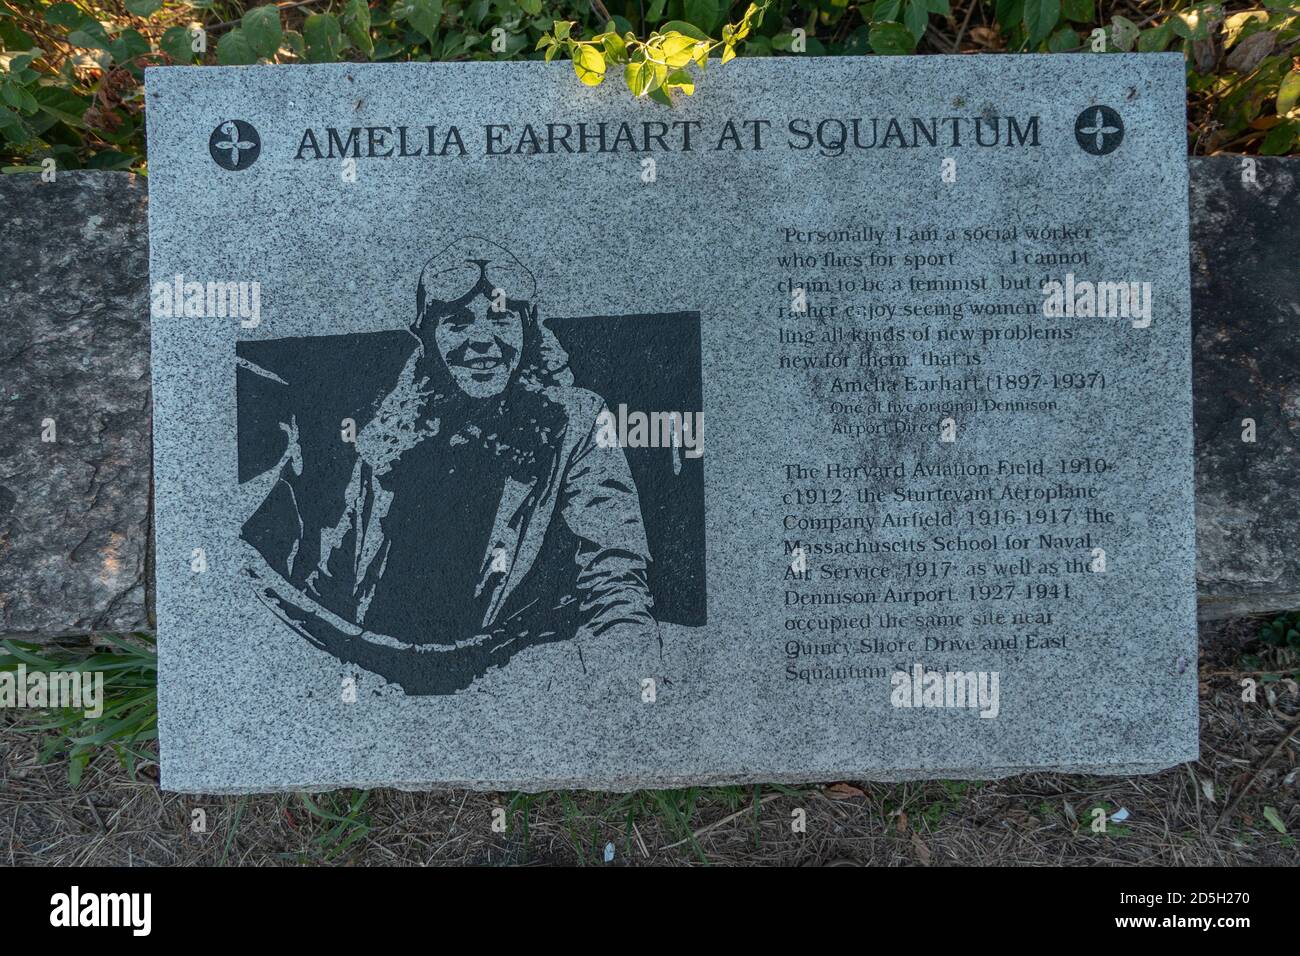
657,66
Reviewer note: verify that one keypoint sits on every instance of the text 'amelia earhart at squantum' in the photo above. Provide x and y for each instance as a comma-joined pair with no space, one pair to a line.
829,137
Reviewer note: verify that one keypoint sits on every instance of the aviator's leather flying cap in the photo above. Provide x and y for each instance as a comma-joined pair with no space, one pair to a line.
466,265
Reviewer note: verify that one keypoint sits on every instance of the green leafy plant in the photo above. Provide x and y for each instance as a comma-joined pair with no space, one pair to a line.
657,66
130,701
1282,631
1244,69
71,71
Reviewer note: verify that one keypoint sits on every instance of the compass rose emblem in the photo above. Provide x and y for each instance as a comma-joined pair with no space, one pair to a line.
1099,130
234,144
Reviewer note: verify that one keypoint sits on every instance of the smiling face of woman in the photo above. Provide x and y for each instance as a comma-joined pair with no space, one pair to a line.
481,345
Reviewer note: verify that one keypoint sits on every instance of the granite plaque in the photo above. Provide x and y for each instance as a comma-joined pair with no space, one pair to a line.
835,422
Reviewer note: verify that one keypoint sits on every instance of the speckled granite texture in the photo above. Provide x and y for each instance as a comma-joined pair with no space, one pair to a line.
1245,364
247,704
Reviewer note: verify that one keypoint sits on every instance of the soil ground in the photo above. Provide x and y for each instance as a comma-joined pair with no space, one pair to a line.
1212,812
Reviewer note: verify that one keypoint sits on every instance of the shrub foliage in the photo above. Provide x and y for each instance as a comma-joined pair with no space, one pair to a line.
71,71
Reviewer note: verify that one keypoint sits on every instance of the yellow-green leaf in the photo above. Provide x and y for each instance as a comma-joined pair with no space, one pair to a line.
675,49
1234,24
681,80
639,76
1288,94
742,28
589,64
615,48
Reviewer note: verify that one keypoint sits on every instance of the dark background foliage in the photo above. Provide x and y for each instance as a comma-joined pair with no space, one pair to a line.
71,71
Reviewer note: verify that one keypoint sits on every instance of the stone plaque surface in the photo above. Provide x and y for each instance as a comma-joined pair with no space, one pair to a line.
833,423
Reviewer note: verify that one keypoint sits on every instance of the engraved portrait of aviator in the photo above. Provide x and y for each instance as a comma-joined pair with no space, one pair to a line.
474,515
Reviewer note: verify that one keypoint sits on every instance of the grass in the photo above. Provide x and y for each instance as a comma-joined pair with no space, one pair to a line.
130,715
343,810
74,791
